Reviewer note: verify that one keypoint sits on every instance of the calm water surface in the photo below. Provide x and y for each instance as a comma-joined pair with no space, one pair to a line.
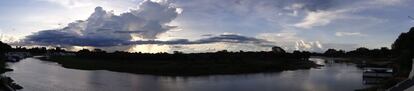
36,75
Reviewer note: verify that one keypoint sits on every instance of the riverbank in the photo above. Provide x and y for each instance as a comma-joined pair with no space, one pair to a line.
37,75
183,68
7,83
362,62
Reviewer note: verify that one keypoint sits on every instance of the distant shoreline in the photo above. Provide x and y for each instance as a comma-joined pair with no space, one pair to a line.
183,68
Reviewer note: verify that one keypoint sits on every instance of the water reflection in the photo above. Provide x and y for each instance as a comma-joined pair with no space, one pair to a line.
35,75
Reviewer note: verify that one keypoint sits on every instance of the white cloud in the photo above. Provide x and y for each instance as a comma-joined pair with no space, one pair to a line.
55,14
290,41
319,18
325,17
340,34
280,37
148,21
314,46
73,3
119,6
7,38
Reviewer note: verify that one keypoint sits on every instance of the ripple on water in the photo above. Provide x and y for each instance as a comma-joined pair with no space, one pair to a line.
36,75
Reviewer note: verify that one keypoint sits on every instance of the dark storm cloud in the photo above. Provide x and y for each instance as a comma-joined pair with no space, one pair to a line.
231,38
224,38
54,37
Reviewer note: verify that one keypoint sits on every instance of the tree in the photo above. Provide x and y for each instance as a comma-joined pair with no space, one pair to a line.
4,47
84,51
99,51
404,48
277,49
334,53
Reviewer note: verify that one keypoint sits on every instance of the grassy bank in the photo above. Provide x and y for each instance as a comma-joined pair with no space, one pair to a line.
183,68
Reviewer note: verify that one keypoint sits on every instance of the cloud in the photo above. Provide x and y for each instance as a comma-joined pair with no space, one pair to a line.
299,13
284,39
340,10
53,37
341,34
290,41
346,47
388,2
248,17
315,46
5,38
119,5
320,18
223,38
72,3
312,5
105,28
232,38
273,11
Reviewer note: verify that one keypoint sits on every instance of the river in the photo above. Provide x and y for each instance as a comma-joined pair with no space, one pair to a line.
36,75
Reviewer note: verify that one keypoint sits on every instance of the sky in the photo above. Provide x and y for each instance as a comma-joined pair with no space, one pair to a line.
204,25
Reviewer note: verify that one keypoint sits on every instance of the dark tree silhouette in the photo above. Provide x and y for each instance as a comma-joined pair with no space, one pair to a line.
277,49
179,63
3,49
334,53
404,47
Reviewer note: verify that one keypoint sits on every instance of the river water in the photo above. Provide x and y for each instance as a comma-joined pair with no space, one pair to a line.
36,75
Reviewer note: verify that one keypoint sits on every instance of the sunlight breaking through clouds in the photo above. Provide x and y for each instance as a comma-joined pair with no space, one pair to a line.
147,22
291,24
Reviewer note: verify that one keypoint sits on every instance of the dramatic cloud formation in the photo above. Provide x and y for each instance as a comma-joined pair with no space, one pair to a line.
311,25
105,28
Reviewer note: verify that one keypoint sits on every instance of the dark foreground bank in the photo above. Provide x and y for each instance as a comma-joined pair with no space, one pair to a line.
183,68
